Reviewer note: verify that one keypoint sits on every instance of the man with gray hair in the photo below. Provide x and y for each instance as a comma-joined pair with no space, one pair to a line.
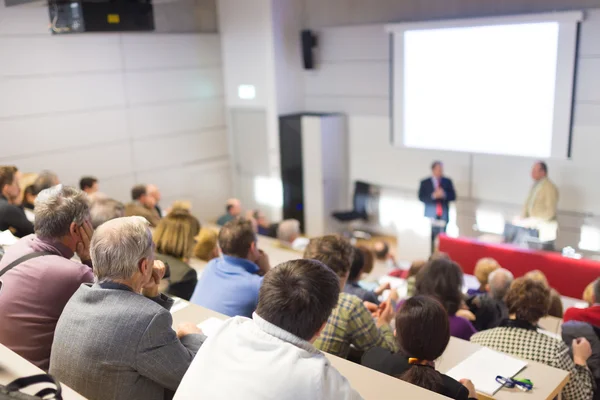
105,209
288,233
37,275
489,308
114,338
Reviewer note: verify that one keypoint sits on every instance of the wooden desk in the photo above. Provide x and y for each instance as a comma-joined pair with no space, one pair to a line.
13,366
371,384
548,381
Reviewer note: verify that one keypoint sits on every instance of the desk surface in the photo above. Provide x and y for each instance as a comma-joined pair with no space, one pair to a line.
372,385
548,381
13,366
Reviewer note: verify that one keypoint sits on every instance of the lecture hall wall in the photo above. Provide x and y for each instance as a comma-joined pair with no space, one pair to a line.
353,77
127,108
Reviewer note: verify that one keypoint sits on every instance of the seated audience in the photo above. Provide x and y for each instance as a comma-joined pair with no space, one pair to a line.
360,261
443,279
528,301
590,315
383,253
186,207
43,277
174,239
143,205
114,338
556,306
411,278
45,180
422,333
105,209
271,356
489,308
574,330
483,269
233,210
588,294
265,227
350,323
27,196
154,192
88,184
288,233
230,284
12,217
206,247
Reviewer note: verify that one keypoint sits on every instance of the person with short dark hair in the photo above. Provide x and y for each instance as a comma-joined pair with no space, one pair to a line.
143,205
247,358
230,284
528,301
88,184
362,260
233,209
350,323
12,217
422,333
590,315
443,279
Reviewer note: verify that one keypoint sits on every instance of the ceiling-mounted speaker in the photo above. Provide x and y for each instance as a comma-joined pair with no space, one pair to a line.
309,43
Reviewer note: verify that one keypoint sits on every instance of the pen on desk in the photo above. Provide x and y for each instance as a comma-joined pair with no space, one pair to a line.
524,385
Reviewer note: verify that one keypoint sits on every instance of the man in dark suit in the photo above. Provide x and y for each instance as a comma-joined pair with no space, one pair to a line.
437,192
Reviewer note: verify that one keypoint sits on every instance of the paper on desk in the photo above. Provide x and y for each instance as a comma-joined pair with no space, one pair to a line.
7,238
178,305
210,326
484,366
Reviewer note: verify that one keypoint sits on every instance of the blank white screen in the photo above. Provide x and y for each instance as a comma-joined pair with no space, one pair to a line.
496,88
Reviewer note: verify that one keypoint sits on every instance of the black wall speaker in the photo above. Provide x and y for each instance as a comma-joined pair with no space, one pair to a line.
309,42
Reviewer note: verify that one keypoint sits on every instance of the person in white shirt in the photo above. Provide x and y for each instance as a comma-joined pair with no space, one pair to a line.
271,356
288,234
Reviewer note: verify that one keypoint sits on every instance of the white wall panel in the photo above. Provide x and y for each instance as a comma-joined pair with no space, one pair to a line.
589,44
154,51
40,95
588,80
358,43
118,187
173,85
360,79
57,132
377,106
26,20
587,115
168,118
59,54
165,151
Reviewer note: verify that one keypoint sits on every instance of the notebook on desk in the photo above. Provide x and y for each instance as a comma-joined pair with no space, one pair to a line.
484,366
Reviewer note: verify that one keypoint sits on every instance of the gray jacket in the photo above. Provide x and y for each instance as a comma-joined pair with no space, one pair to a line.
111,344
574,329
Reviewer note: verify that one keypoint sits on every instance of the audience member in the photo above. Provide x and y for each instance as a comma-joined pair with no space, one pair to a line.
265,227
143,205
528,301
422,333
154,192
590,315
27,196
588,294
206,247
483,268
45,180
233,210
186,207
247,358
39,276
443,279
114,339
89,185
411,278
350,323
288,233
362,257
230,284
556,306
489,308
383,253
12,217
105,209
174,238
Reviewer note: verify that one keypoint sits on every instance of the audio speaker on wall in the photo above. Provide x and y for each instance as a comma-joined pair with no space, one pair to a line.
309,42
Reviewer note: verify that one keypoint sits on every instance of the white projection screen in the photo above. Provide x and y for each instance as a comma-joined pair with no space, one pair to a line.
491,85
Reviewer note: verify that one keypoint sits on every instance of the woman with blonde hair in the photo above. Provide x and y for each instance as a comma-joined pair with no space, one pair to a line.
556,306
174,239
206,245
483,269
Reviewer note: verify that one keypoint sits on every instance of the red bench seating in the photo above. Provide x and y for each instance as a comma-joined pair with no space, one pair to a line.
568,276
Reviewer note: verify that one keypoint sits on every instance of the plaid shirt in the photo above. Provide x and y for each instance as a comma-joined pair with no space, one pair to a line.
351,323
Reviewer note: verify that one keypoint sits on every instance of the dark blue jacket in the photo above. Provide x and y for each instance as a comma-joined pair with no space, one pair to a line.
426,189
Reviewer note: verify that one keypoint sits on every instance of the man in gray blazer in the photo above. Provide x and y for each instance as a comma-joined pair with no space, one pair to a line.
114,338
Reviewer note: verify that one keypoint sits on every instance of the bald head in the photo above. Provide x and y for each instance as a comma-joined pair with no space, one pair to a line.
153,191
118,246
499,282
234,207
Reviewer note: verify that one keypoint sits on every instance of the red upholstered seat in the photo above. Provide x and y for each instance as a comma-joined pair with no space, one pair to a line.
568,276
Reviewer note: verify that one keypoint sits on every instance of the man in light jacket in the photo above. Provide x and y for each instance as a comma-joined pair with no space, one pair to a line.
271,356
114,339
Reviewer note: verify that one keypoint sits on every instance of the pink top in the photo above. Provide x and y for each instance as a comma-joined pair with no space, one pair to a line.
33,295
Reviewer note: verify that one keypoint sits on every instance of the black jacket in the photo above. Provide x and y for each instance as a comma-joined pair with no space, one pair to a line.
13,217
386,362
489,312
426,190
